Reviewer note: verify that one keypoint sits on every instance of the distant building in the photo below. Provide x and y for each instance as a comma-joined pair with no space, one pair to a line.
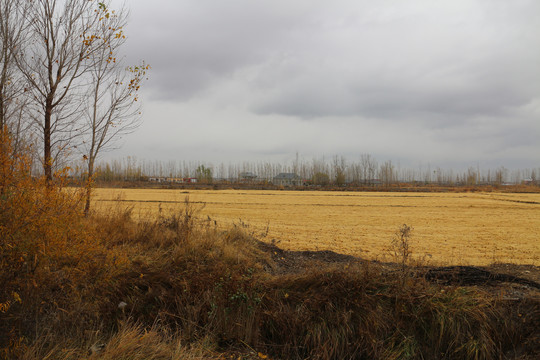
530,181
172,180
247,176
157,179
287,179
175,180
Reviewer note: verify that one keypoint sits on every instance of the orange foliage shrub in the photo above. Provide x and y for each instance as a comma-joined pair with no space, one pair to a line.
43,246
37,220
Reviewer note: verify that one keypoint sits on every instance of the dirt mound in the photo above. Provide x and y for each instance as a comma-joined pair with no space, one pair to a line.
295,262
289,261
474,276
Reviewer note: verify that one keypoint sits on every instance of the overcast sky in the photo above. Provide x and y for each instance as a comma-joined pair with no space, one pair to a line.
449,83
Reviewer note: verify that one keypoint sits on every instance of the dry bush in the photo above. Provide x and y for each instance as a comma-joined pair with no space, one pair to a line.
201,282
51,264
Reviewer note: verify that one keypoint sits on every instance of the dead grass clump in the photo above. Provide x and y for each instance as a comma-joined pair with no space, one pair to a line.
115,225
135,343
201,285
129,342
345,315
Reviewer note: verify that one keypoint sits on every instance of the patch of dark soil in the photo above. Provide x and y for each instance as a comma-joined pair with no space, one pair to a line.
294,262
515,289
529,272
474,276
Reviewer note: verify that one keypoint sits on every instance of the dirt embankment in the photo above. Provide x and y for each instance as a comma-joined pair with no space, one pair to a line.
288,261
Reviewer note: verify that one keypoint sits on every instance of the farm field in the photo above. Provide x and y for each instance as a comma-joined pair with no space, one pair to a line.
449,228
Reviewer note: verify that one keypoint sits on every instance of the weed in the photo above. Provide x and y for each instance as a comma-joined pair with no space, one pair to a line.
401,250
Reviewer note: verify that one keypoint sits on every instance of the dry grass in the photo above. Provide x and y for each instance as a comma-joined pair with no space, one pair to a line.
449,228
194,291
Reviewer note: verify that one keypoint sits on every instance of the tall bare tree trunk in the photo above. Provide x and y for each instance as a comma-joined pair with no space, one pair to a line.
89,185
47,153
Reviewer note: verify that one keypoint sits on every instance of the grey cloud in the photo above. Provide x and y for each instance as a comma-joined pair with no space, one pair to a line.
199,42
412,67
193,44
364,74
370,98
488,82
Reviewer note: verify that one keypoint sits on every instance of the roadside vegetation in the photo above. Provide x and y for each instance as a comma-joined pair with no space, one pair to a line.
105,286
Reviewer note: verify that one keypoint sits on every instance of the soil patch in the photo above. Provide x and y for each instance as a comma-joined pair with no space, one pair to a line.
294,262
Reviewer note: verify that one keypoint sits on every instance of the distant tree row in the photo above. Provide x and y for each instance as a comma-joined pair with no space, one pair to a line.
336,171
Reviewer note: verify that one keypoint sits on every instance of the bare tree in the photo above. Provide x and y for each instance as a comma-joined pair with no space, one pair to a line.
112,108
501,175
387,173
369,168
320,172
12,99
64,36
340,167
471,177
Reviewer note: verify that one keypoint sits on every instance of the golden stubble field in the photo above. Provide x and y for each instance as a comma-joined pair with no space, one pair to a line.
449,228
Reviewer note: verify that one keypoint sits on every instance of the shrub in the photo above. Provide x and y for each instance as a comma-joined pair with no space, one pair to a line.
45,250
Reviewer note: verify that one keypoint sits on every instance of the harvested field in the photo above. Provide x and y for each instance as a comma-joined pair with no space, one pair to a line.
449,228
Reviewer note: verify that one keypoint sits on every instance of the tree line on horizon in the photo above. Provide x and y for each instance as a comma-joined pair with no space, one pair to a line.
336,171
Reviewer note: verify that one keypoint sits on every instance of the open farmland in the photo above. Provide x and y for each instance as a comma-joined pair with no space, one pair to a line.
449,228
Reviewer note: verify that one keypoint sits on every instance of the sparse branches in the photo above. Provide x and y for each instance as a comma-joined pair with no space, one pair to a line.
320,173
387,173
500,175
111,108
471,178
74,81
64,36
12,36
368,165
320,178
340,166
